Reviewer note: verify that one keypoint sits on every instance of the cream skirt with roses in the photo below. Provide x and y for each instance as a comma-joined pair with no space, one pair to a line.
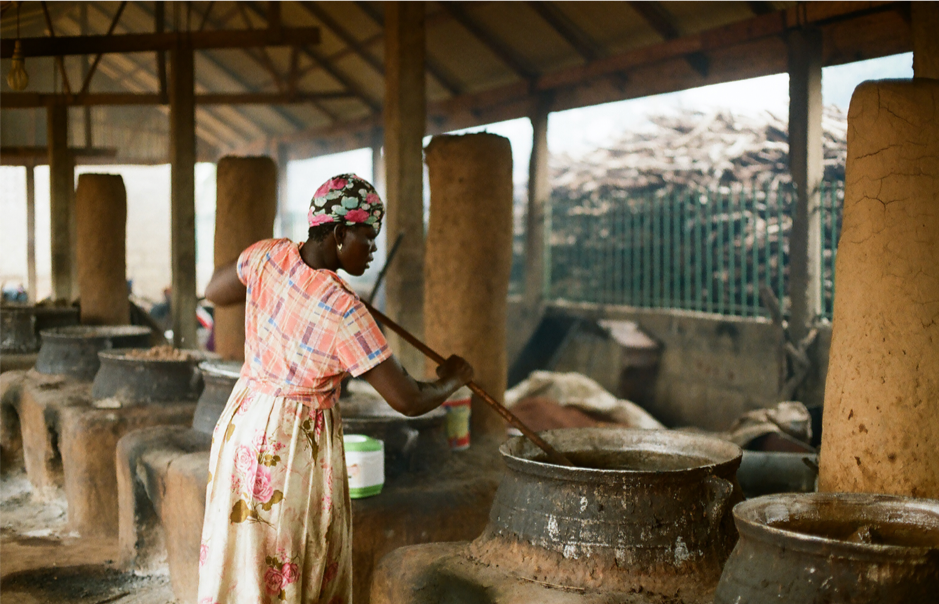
277,516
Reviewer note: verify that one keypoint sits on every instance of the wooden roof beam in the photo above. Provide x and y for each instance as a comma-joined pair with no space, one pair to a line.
343,34
34,100
513,60
434,68
127,43
664,24
585,46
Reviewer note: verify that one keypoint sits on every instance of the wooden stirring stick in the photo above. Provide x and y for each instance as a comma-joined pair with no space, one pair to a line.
553,454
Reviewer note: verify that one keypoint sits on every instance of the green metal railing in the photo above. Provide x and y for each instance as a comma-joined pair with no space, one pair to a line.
703,250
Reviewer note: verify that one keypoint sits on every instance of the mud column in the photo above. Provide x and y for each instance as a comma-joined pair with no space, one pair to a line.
881,422
246,203
101,224
469,256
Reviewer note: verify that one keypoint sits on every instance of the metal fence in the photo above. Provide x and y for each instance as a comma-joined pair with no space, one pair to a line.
708,251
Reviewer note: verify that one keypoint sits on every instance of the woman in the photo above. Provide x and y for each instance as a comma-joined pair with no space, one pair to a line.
278,522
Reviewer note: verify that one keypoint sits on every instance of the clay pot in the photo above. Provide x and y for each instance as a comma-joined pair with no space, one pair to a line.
20,325
219,378
647,511
833,548
412,444
138,381
73,351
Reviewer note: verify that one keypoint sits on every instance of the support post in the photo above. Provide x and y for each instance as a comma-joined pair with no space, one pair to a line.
61,210
404,119
805,162
182,161
31,233
924,18
539,188
378,163
283,211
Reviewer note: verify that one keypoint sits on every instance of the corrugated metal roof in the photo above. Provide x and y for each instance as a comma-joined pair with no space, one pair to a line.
485,61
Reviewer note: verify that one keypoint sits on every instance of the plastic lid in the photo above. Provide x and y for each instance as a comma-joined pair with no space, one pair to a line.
361,442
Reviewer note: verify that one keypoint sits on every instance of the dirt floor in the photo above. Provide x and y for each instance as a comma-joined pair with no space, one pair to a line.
42,563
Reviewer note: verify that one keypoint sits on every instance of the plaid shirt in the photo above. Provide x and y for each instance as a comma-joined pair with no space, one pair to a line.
304,328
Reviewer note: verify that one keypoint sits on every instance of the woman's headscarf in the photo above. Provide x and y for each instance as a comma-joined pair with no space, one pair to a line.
347,199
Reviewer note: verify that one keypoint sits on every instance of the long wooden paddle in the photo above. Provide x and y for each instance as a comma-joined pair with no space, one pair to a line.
553,454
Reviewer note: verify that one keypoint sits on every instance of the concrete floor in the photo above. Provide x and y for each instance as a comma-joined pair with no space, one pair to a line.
42,563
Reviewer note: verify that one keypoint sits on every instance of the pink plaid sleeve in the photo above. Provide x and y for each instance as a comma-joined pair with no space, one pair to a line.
360,345
251,259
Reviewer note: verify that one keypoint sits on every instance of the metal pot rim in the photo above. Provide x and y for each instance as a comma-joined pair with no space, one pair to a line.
90,332
723,454
119,356
753,518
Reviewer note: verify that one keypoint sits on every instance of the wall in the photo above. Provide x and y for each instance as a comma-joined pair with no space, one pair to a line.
712,369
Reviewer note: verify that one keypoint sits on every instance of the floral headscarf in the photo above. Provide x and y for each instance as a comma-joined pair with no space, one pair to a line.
348,199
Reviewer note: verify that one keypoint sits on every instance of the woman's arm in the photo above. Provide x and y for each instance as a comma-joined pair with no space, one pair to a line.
224,287
411,397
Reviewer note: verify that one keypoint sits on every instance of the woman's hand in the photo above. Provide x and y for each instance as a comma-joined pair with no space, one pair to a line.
411,397
457,369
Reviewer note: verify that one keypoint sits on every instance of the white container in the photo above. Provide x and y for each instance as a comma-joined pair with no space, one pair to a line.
365,465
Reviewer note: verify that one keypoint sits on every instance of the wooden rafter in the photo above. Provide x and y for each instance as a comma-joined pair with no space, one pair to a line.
59,61
265,57
340,77
434,68
664,24
585,46
33,100
205,16
500,49
343,34
94,64
137,42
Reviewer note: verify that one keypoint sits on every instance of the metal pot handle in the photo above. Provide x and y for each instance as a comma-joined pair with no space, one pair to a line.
719,493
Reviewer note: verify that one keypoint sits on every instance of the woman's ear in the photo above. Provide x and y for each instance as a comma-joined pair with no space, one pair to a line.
339,232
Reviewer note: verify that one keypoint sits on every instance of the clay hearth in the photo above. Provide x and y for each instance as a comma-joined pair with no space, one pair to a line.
644,518
425,490
66,363
128,393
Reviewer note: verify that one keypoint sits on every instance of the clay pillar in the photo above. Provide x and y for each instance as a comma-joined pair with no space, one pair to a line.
183,187
805,162
881,418
539,189
61,210
469,257
925,23
246,203
101,221
404,113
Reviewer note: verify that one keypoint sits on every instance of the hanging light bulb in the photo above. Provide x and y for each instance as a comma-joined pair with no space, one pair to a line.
17,78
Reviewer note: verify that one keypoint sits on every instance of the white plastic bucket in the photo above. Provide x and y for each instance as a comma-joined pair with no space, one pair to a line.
365,465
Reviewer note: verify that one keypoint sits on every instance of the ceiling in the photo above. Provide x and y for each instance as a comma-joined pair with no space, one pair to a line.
486,62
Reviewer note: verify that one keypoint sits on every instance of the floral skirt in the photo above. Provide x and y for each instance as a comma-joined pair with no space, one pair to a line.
277,522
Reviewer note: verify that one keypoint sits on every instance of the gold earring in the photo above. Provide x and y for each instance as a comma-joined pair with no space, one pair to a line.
339,248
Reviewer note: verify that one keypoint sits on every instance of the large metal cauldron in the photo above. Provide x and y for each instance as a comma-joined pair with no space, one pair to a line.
136,381
833,548
646,512
220,378
20,325
74,350
412,444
